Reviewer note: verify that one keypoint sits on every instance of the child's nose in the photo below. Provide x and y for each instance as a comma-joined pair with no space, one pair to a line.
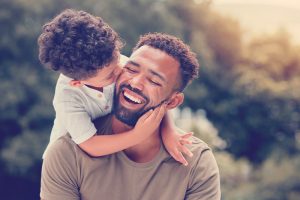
117,71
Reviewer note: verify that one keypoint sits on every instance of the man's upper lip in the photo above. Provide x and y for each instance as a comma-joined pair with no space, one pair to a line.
134,94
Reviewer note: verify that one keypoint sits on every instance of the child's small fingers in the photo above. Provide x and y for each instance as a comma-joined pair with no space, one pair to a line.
186,151
180,158
187,135
174,156
154,113
147,114
161,112
184,142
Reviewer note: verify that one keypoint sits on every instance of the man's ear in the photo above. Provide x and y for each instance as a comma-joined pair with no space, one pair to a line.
75,83
175,100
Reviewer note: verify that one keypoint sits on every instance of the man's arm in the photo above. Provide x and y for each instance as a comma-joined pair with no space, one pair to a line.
204,182
59,176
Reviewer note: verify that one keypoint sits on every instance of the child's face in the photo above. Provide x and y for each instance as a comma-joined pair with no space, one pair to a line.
105,76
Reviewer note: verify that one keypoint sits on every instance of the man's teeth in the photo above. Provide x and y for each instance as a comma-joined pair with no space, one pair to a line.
132,98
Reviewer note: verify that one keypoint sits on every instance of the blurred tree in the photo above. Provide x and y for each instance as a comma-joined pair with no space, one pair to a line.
132,18
26,95
249,91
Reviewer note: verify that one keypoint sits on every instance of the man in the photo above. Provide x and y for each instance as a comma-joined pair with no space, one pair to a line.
158,70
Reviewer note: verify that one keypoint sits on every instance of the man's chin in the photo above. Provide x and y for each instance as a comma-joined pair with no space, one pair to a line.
128,122
128,117
125,116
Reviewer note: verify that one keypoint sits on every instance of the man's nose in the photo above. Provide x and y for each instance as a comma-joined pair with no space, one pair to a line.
137,82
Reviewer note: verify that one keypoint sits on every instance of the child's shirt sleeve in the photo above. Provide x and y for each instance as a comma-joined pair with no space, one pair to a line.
74,117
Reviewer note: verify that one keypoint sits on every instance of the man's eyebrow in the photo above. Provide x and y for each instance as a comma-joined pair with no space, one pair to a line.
157,74
151,71
133,63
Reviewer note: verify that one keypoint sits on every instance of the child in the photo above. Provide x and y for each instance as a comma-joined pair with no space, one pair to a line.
86,51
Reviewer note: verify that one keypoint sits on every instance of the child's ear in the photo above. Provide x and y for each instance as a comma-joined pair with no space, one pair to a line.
175,100
75,83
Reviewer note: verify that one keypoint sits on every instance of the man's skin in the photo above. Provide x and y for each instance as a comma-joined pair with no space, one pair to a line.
145,66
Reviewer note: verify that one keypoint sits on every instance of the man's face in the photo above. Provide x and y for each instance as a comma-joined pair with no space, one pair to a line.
149,78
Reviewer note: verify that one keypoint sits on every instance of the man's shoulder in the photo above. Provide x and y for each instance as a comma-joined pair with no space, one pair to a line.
201,152
197,145
62,146
204,172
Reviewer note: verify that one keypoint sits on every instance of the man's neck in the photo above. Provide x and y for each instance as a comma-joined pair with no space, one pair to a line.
142,152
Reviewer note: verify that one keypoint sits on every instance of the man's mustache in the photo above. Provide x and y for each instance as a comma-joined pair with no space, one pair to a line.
135,90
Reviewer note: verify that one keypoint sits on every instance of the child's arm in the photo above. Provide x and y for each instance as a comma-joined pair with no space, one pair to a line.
100,145
174,142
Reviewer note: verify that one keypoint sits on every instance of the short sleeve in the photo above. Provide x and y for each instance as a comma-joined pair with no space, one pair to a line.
77,121
59,173
204,181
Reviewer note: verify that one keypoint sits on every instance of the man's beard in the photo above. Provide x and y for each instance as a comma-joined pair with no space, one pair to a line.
125,115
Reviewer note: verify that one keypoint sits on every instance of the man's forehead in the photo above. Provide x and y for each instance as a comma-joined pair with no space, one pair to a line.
150,56
157,62
147,51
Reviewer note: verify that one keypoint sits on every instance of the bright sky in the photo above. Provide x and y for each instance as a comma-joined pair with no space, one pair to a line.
286,3
263,16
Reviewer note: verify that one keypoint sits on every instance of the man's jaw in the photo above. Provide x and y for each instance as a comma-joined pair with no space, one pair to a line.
130,104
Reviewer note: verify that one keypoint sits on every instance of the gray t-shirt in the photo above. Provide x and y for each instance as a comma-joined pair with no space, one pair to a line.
69,173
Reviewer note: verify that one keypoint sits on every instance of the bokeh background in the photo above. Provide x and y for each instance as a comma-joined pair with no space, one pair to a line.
245,105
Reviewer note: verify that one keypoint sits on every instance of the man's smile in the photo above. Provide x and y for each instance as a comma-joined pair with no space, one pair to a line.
132,99
132,96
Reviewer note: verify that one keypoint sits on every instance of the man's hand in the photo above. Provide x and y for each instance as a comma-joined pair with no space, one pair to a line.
175,144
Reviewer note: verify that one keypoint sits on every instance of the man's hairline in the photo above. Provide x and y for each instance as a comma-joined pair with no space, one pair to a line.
180,88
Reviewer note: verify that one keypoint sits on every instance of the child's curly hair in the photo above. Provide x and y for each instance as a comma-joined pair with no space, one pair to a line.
78,44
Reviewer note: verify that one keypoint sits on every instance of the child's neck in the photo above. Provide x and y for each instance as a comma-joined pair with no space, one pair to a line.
95,88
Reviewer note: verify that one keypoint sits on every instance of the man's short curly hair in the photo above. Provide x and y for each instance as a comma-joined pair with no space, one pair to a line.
78,44
174,47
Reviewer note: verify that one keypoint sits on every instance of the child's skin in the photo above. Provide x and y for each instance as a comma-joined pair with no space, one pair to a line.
100,145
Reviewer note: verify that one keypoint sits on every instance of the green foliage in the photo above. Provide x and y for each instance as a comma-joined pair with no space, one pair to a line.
250,92
129,18
276,179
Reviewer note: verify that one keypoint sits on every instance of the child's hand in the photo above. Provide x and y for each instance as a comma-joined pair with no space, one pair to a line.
175,145
150,121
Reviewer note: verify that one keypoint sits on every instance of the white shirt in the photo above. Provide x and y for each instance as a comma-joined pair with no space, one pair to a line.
75,109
